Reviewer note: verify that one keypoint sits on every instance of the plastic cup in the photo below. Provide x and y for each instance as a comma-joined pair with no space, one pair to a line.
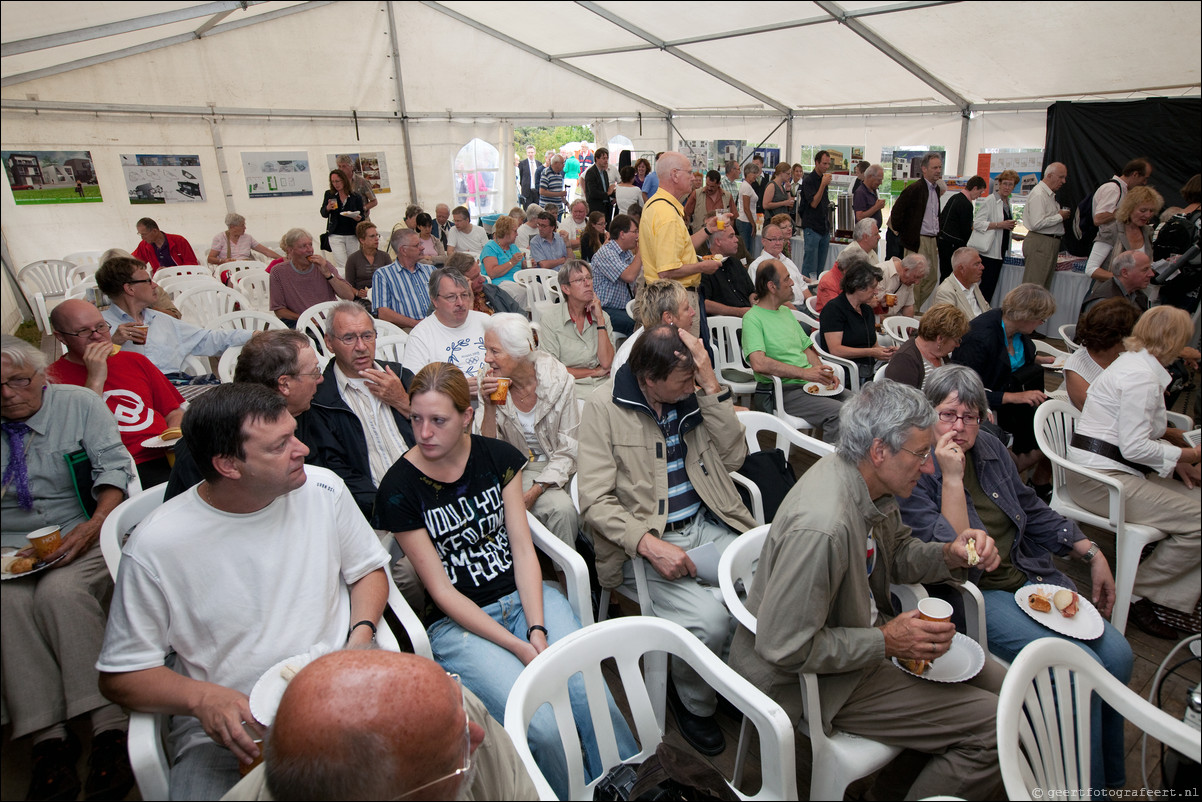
499,395
890,299
45,541
931,609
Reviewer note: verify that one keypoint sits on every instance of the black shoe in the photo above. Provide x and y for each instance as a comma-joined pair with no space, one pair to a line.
1143,615
109,772
702,732
53,769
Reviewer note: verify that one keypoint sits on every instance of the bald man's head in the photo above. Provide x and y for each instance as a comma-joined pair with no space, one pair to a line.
368,725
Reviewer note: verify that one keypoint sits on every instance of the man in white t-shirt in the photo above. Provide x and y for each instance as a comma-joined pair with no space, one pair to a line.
463,236
265,559
454,333
774,244
1107,197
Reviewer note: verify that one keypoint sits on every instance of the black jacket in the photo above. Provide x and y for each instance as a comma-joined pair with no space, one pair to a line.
984,350
594,192
336,438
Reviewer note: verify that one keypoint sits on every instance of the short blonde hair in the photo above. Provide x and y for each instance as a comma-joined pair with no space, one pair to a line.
1136,197
503,227
663,295
1028,302
943,320
1163,331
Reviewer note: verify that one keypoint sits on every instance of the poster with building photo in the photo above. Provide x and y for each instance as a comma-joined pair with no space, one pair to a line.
370,166
730,149
277,174
1027,162
39,177
903,164
698,153
158,178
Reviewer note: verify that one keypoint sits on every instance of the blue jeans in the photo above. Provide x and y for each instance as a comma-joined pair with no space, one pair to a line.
814,258
206,771
622,322
490,670
1010,629
746,232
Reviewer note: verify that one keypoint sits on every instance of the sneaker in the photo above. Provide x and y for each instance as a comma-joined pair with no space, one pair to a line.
53,769
109,772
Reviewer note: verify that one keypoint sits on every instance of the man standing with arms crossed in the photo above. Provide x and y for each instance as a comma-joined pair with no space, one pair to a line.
668,251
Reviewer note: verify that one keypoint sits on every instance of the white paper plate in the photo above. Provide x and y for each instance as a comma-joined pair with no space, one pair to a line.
159,442
355,215
1057,365
962,662
823,389
1087,624
5,575
265,696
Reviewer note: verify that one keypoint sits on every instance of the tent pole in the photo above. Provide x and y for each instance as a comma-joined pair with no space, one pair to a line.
400,99
965,116
222,169
789,139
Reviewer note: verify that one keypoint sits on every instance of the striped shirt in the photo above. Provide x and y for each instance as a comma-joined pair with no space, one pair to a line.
403,291
683,501
551,182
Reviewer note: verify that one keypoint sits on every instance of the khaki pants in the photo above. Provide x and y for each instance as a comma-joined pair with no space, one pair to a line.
928,247
1040,252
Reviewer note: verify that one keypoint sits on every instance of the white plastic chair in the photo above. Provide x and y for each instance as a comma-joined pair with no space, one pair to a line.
148,731
1042,347
163,273
641,595
626,641
42,280
785,437
391,347
228,363
898,327
86,289
812,305
255,284
1055,422
198,305
538,283
175,285
728,354
81,257
246,320
850,369
1068,333
880,373
82,272
570,563
313,323
237,268
538,309
778,398
386,329
839,758
1043,720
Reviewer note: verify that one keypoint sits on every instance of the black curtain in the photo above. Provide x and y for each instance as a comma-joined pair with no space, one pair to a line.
1095,140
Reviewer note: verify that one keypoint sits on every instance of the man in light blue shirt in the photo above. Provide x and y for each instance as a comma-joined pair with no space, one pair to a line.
547,250
400,291
165,341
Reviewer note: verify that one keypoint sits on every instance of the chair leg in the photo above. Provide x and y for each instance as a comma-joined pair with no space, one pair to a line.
1126,564
603,607
736,779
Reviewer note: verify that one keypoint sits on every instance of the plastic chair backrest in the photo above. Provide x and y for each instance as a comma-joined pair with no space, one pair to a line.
246,320
182,270
313,323
391,347
898,327
198,305
255,284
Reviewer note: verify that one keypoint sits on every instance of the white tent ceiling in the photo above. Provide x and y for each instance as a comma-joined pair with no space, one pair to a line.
217,77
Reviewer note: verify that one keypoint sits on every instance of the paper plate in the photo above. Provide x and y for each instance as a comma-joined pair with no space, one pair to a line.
962,662
265,696
1087,624
823,390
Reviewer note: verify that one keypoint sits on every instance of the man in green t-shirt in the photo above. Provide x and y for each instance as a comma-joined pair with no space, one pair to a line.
774,344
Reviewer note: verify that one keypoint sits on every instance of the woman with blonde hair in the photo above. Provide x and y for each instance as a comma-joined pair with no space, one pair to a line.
1130,230
939,333
501,259
1122,434
454,503
991,227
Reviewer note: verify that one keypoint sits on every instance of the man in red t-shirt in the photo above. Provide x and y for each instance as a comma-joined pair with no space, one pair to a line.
159,249
137,393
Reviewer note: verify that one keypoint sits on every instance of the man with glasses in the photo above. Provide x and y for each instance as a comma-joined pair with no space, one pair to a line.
138,394
547,250
822,601
265,559
454,333
162,339
399,290
431,737
774,240
360,412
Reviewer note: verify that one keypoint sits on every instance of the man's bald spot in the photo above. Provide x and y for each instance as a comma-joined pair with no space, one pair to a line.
1056,168
346,702
671,161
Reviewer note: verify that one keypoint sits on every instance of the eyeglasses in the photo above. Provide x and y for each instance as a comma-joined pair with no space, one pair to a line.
467,747
103,328
970,419
140,281
923,456
313,375
582,280
458,296
351,339
18,383
774,239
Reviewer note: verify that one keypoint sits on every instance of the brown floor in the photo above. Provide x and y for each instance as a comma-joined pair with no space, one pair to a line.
893,781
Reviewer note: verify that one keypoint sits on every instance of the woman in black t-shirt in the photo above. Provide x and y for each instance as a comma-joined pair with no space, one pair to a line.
454,503
847,324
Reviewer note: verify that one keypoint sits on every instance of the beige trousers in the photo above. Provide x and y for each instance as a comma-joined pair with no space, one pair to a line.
1040,252
928,247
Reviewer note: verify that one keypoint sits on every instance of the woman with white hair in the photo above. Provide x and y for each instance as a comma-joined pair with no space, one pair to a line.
235,245
539,417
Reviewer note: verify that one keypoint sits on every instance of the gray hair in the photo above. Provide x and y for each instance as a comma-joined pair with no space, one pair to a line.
21,353
875,169
533,211
961,380
962,255
865,228
400,236
515,334
571,269
918,263
1028,302
1124,262
887,411
439,274
234,219
345,308
293,236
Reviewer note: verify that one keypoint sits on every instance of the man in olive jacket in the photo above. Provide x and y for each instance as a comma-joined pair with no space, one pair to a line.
654,462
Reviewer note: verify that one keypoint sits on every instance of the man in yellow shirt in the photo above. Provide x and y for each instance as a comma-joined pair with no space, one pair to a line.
668,251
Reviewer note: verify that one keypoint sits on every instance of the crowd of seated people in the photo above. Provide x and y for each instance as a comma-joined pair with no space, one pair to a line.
420,472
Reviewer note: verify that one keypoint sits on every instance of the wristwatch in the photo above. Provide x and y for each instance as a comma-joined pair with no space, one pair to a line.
1093,550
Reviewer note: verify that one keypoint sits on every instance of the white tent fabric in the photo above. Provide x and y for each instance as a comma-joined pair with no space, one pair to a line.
220,78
